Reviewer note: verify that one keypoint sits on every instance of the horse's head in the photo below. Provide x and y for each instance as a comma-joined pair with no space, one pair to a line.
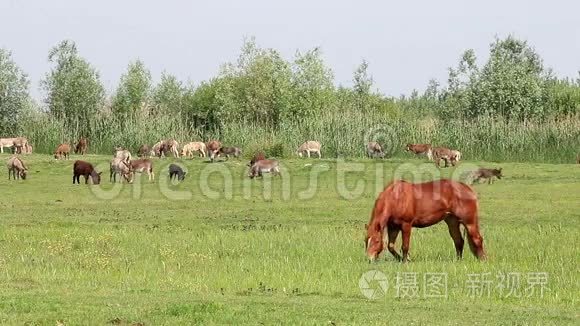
253,172
373,242
128,175
96,177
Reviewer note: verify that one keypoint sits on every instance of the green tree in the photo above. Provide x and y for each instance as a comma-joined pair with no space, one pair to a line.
459,98
561,96
74,90
168,95
133,92
257,88
363,83
511,82
14,96
313,84
202,106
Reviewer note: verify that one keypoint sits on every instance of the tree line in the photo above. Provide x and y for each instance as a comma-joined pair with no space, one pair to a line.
264,89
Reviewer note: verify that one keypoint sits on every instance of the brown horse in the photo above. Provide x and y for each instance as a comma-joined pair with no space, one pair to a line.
85,169
213,147
403,205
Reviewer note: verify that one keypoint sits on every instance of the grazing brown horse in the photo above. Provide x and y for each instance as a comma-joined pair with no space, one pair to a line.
419,149
85,169
213,147
403,205
63,150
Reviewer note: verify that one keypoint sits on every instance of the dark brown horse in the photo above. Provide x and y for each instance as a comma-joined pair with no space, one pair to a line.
403,205
85,169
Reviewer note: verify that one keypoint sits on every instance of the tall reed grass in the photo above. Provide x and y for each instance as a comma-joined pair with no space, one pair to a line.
342,134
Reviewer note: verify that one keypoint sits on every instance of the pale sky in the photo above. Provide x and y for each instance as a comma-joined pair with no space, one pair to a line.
405,42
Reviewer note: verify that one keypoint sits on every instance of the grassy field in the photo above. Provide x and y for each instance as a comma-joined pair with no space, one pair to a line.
220,248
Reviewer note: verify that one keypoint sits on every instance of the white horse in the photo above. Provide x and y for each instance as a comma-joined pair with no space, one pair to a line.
310,146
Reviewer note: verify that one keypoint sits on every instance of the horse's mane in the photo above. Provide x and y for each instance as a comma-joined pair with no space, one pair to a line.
395,188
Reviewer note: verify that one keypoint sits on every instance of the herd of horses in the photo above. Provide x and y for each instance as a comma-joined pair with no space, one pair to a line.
400,207
123,167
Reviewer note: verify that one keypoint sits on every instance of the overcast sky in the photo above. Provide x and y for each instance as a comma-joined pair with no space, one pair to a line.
405,42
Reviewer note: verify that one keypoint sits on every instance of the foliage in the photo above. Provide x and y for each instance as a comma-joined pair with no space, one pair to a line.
14,96
502,110
313,84
363,83
133,92
168,95
74,91
512,84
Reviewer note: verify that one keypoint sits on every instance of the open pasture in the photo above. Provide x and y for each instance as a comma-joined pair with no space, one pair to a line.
218,248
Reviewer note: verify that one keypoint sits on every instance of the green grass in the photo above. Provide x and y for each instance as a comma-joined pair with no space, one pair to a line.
66,254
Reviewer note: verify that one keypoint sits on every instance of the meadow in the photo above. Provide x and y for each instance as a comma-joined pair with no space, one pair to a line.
220,248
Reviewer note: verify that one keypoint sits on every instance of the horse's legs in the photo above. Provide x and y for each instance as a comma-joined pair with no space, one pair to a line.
319,155
406,228
86,179
392,233
475,241
308,152
455,233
